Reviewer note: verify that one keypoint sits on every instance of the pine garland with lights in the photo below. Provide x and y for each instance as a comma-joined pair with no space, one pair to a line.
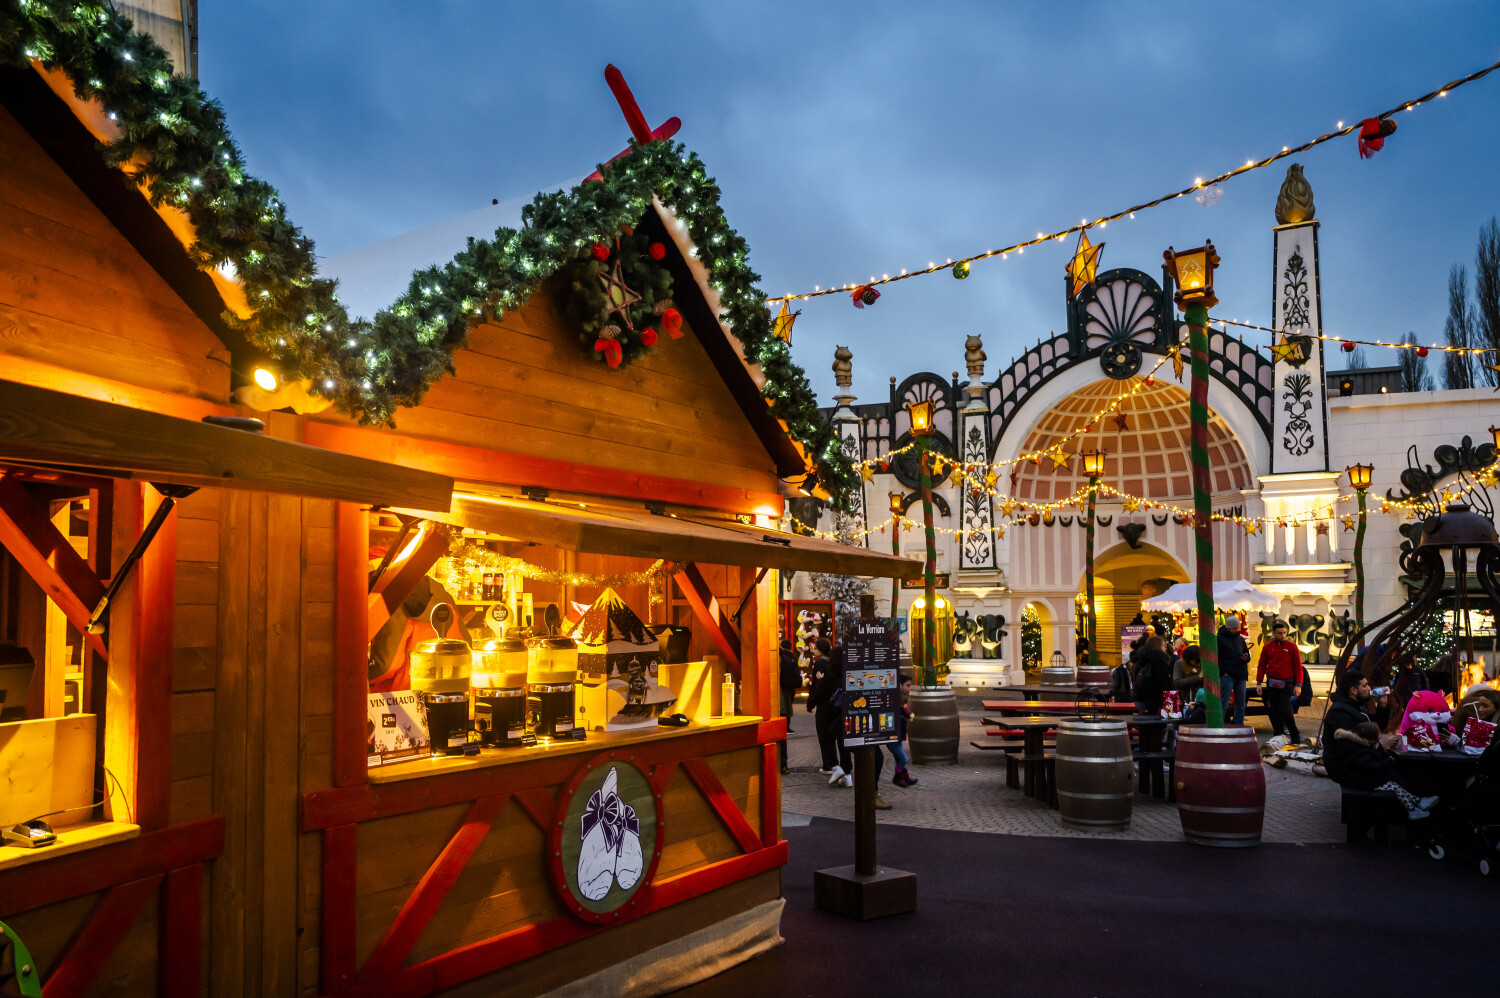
175,146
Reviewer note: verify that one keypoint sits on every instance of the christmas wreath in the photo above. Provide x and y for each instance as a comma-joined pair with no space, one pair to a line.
619,296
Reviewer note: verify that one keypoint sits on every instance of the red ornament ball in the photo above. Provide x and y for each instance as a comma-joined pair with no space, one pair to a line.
601,251
648,336
656,251
1421,351
1348,346
671,321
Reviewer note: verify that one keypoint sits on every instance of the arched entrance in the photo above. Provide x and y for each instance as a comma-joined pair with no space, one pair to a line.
1123,576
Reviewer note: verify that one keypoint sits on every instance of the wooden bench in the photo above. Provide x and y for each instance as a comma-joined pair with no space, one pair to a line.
1362,810
1156,780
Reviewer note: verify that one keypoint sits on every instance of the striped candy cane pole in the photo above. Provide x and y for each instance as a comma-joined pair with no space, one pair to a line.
1089,576
1208,638
929,623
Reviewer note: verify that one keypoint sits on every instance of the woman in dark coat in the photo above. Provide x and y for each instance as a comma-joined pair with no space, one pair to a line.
825,698
1153,674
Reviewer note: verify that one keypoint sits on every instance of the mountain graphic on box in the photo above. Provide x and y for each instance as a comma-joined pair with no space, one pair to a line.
610,636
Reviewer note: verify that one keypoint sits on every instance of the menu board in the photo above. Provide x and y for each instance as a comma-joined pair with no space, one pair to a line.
872,693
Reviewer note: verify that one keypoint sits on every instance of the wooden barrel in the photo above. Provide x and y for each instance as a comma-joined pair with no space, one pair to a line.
1221,789
1094,774
1096,676
1060,675
932,735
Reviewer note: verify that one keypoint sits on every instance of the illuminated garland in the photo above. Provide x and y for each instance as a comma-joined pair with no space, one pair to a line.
1369,343
961,266
465,557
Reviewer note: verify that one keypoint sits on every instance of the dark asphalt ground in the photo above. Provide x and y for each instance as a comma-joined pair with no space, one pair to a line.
1010,916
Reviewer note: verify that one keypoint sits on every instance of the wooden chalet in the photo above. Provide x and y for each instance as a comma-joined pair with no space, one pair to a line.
201,750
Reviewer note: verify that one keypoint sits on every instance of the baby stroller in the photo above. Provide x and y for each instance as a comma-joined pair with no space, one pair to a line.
1471,827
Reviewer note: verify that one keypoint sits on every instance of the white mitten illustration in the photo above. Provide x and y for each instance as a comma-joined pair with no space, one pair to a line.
611,846
630,865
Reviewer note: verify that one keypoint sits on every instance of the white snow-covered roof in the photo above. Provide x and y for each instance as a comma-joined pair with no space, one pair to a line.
1232,594
371,277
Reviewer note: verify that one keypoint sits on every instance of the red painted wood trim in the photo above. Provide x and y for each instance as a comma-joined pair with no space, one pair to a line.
398,580
539,806
45,555
430,891
706,608
340,924
718,798
770,794
156,600
181,944
480,464
351,647
95,941
661,776
510,948
37,885
343,805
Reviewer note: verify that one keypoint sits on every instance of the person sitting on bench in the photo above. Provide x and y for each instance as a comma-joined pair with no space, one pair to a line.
1352,753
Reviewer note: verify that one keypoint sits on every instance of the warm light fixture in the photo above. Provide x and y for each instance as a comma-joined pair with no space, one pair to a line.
1495,432
1058,661
1193,272
1359,475
1093,462
921,417
898,503
265,378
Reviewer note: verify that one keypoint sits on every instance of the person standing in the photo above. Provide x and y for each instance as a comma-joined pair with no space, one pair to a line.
902,777
791,681
1280,669
1234,669
1153,674
827,700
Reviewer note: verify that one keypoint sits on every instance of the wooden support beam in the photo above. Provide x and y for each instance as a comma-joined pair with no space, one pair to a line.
391,953
351,645
95,942
340,879
29,535
181,942
706,608
724,806
400,576
539,806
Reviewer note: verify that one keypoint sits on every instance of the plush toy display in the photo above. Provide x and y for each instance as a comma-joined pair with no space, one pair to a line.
1419,727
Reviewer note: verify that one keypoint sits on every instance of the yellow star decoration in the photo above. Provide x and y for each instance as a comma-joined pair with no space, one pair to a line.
1059,459
958,475
906,524
990,479
1287,350
1007,508
1348,522
1000,532
1177,362
781,326
1488,478
1131,505
1085,263
1251,528
866,473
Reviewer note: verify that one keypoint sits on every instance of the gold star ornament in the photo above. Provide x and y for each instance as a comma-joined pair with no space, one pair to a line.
1251,528
1348,522
958,475
990,479
906,524
781,326
1085,263
1059,460
866,473
1177,362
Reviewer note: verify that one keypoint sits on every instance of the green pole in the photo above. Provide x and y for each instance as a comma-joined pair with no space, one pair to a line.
929,623
1359,565
1208,638
895,550
1088,583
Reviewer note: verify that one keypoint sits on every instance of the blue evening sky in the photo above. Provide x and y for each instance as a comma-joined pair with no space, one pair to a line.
853,139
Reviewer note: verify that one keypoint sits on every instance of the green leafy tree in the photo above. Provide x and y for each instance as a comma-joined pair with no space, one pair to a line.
1487,294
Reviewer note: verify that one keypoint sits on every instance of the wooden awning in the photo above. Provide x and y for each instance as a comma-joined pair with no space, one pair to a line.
642,534
44,428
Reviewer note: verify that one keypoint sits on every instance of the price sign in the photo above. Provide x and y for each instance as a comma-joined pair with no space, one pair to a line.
872,694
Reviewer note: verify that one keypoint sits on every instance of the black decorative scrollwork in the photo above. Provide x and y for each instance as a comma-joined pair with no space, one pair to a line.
1298,402
1121,360
978,548
1161,522
1295,304
1420,481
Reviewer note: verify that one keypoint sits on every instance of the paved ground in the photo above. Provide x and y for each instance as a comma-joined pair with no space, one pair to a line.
972,796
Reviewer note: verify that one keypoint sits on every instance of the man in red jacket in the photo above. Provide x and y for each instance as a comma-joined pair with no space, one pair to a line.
1280,669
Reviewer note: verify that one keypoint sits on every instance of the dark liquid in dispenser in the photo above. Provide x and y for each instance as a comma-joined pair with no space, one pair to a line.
500,717
447,722
549,710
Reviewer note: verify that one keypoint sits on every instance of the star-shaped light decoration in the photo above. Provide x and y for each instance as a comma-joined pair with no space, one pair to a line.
617,292
781,326
1322,528
1000,532
1177,362
1122,421
1284,350
866,473
958,474
1252,527
1085,263
1060,460
906,524
990,479
1007,508
1348,522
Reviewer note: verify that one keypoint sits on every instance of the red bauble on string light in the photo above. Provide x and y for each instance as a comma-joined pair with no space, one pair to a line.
1372,135
864,295
601,251
1421,351
1348,346
656,251
671,322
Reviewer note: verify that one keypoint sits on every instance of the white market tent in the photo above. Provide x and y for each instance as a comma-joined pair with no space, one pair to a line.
1231,594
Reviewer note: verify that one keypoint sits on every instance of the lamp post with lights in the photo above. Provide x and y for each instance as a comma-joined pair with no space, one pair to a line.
1193,273
898,507
921,430
1359,478
1093,466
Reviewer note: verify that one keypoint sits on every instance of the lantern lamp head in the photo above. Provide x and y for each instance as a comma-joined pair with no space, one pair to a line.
1359,475
1093,462
921,417
1057,659
898,503
1495,432
265,378
1193,272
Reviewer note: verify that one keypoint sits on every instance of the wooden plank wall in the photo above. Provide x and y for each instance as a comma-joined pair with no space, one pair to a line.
74,293
525,385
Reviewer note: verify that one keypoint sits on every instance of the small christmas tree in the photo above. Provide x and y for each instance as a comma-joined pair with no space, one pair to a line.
844,590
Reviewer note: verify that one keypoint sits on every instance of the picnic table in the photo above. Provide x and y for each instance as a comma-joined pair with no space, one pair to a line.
1442,773
1051,707
1033,759
1048,691
1152,753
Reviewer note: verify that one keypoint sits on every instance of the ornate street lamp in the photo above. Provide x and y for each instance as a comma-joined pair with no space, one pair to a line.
1193,272
921,431
1093,466
1359,479
898,509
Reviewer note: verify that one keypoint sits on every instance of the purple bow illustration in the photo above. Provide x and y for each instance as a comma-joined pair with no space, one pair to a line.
616,816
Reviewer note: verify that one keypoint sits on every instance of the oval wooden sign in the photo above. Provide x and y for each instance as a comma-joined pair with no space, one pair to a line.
605,843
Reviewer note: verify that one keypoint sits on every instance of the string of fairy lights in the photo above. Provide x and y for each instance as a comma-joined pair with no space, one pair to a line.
1348,343
961,266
